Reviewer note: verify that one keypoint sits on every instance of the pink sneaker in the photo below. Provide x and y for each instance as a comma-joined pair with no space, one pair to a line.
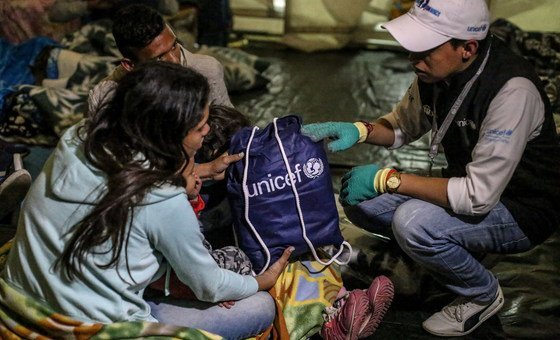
380,294
347,317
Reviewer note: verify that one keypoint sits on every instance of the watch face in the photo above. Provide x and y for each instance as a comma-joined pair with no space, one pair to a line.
393,182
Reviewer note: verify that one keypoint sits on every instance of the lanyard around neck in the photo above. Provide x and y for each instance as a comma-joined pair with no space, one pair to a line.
438,134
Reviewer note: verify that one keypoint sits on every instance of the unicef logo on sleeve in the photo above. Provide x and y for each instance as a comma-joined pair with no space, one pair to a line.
313,168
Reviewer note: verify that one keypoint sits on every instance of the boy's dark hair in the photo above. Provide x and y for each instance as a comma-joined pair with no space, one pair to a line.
224,122
134,27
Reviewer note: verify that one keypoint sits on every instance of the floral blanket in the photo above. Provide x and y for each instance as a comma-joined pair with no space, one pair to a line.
39,108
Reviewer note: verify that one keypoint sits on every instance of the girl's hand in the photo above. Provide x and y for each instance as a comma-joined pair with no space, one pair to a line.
226,304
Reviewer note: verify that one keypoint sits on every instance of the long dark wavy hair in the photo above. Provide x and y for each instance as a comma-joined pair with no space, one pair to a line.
136,140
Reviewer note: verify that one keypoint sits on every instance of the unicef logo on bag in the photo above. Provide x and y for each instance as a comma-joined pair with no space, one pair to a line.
313,168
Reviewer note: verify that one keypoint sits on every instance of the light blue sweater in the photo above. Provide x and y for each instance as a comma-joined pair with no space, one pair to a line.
164,226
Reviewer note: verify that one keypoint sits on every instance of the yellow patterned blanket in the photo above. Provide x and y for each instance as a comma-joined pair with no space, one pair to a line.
302,292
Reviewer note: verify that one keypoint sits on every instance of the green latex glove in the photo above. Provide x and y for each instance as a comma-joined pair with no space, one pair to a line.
343,134
357,185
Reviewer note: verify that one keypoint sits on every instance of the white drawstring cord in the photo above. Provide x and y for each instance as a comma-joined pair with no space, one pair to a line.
300,213
246,196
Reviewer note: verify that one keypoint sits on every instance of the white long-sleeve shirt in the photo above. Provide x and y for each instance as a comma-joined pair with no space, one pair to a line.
515,116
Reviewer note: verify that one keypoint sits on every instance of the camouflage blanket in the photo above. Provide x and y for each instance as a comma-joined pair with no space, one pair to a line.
540,48
39,110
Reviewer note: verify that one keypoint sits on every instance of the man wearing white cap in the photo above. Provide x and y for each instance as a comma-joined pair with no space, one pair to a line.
499,193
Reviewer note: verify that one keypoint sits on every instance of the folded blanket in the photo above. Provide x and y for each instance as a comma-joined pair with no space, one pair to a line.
16,63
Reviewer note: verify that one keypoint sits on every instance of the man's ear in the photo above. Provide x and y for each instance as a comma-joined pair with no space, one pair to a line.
127,64
470,49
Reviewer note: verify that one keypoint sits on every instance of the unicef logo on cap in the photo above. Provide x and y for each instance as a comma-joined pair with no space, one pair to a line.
425,5
313,168
422,3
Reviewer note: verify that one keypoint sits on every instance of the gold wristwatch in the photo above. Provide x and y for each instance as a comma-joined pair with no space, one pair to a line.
393,182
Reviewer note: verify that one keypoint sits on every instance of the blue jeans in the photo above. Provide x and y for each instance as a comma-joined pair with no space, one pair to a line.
248,317
444,242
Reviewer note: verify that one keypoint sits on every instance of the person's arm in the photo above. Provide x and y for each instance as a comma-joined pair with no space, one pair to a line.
514,117
406,123
429,189
517,108
365,182
215,170
174,231
382,134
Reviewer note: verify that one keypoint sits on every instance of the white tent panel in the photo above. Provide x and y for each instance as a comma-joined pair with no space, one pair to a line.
529,15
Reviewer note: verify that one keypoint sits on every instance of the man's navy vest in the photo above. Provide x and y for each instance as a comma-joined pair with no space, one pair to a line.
533,194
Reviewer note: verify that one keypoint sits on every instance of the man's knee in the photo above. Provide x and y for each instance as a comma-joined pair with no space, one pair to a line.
411,224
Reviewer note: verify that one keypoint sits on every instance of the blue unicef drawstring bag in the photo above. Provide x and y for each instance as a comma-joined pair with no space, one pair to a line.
281,194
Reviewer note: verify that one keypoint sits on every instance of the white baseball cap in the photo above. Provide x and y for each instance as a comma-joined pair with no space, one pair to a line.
430,23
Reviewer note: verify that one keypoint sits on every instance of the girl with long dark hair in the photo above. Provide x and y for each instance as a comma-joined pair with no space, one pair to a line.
109,210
